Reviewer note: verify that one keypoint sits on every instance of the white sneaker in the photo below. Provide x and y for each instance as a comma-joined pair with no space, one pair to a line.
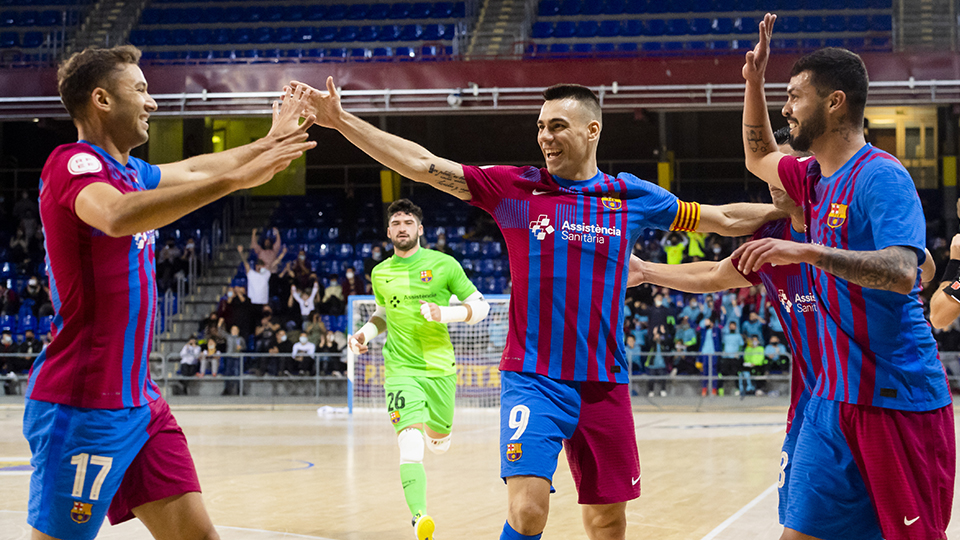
759,392
424,526
736,393
663,393
649,394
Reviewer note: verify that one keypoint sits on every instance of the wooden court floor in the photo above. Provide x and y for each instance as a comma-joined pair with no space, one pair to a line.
286,472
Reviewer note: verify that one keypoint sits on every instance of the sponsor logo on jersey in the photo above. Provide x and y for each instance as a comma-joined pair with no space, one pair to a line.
394,302
144,238
84,163
612,204
426,276
541,227
838,214
394,417
785,300
514,452
81,512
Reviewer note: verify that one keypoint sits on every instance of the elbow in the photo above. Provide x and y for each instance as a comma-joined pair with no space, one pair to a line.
939,320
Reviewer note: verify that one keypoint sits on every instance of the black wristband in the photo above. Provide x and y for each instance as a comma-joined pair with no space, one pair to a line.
952,272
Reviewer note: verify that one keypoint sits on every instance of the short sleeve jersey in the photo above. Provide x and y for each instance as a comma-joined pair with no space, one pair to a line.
796,308
569,244
876,346
416,347
103,289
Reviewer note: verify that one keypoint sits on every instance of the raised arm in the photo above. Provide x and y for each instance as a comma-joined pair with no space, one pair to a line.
696,277
406,157
945,303
243,259
286,117
737,219
759,146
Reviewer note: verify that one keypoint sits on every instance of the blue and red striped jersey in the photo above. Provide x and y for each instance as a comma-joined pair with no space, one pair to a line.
876,346
569,244
103,289
797,308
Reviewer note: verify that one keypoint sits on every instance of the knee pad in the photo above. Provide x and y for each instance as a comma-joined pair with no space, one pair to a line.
410,441
439,446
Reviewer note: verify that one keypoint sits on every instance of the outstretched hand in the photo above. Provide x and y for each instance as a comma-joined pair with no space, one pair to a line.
355,344
289,110
756,253
755,66
325,106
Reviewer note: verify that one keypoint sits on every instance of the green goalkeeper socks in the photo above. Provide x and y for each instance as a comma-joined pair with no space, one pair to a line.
414,480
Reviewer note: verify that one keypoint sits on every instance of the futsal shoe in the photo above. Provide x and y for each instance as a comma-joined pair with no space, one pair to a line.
424,526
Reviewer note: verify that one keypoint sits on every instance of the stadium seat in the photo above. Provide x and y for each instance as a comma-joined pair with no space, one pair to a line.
139,37
459,10
411,32
654,27
50,17
835,23
232,15
632,28
359,53
368,33
591,7
698,46
700,26
430,52
817,5
400,10
241,35
722,25
656,6
442,10
357,12
431,32
587,29
609,29
253,14
548,8
651,46
833,42
613,7
294,13
28,18
44,324
672,46
448,32
283,34
347,33
325,34
635,7
701,6
179,36
569,7
746,25
315,12
405,53
628,48
159,37
789,25
879,44
858,23
8,323
303,34
542,30
855,44
200,36
582,49
336,12
881,23
420,10
812,25
879,4
32,40
272,13
810,44
26,322
222,36
564,29
389,32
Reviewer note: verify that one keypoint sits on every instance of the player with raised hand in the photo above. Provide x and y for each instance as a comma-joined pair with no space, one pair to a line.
413,290
944,308
569,229
102,438
881,407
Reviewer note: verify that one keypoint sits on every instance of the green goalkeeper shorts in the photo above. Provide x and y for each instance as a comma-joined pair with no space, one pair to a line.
421,400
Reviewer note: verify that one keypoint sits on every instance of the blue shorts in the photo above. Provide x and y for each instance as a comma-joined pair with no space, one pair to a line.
787,455
593,421
79,458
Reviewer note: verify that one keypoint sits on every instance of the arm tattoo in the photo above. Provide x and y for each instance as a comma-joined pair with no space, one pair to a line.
755,139
451,182
882,269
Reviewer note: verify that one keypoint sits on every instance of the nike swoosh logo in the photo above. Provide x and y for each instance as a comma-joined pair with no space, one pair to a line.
637,479
909,522
538,192
389,280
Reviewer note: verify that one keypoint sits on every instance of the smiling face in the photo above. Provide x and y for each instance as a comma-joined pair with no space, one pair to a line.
130,107
404,230
805,111
568,135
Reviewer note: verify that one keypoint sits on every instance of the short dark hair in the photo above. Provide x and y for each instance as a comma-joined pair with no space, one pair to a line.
782,135
405,206
834,69
576,92
88,69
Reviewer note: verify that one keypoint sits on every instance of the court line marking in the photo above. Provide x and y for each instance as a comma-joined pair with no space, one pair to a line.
720,528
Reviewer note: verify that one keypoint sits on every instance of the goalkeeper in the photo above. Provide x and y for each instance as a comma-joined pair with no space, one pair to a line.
413,289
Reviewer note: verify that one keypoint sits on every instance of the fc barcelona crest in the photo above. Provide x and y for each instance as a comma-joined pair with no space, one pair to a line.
513,451
611,204
838,214
426,276
81,512
394,417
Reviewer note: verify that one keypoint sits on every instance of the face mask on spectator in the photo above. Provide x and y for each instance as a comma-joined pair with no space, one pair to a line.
658,303
303,339
189,245
283,338
32,283
7,340
716,249
302,257
229,294
349,275
376,255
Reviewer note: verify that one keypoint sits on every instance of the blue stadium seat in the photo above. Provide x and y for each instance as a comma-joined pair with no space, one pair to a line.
430,52
149,16
303,34
295,13
44,324
210,15
378,12
858,23
635,7
835,23
26,322
810,43
263,34
673,46
411,32
812,25
232,15
548,8
8,322
357,12
541,30
49,17
345,252
657,6
609,28
651,46
475,249
722,25
32,40
564,29
139,37
442,10
880,44
789,25
605,49
632,28
654,27
697,46
613,7
368,33
253,14
879,4
200,36
272,13
347,33
747,25
400,10
591,7
459,10
700,26
179,36
855,44
315,12
587,29
389,32
325,34
701,6
881,23
448,32
816,5
720,45
569,7
28,18
833,42
431,32
337,12
420,10
582,49
222,36
159,37
359,53
405,53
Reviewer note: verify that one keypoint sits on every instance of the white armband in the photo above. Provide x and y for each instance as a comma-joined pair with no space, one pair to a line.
370,330
479,308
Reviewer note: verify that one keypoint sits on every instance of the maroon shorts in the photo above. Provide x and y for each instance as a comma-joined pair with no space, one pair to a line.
162,469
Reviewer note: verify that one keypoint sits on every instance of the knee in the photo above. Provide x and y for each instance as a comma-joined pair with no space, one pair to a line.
410,441
528,516
439,445
607,524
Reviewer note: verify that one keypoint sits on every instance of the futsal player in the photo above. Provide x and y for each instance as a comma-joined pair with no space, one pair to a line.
102,438
413,290
945,307
569,229
881,408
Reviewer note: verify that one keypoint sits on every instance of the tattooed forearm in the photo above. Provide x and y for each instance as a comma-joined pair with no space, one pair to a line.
891,269
755,139
449,181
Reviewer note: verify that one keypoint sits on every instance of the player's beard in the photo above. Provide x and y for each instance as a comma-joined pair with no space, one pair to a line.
809,131
406,245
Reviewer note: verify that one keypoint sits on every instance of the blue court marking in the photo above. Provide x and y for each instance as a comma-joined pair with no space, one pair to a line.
305,465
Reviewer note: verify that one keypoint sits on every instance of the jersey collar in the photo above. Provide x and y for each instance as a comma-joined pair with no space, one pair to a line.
579,185
411,259
850,163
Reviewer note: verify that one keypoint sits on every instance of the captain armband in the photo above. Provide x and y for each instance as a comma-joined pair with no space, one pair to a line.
688,217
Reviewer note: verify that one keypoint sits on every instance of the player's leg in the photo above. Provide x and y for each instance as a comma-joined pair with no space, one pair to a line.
603,458
180,517
790,534
79,458
605,521
406,407
441,395
528,504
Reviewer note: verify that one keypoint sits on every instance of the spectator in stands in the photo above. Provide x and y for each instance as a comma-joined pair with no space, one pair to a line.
674,244
752,298
315,329
332,346
264,340
306,300
709,346
753,327
284,349
716,251
203,327
752,365
271,250
633,354
190,357
19,247
301,359
210,357
774,328
189,254
258,280
352,284
659,315
711,309
733,343
686,334
167,264
30,348
8,363
40,294
730,309
241,312
333,301
303,276
695,249
693,311
376,255
9,302
27,212
656,364
776,354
